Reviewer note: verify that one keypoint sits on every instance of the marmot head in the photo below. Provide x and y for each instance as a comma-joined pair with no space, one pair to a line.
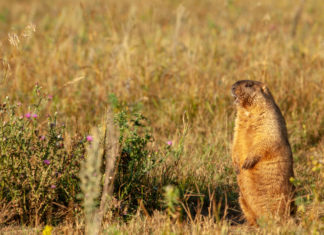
249,93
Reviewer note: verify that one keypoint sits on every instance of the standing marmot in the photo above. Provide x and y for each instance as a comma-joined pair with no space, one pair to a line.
261,153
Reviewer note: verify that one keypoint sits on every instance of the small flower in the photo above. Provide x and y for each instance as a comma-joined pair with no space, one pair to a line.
53,186
89,138
27,115
47,230
47,162
49,97
59,145
34,115
169,142
42,137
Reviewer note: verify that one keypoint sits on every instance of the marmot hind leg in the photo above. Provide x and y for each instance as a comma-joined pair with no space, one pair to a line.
248,213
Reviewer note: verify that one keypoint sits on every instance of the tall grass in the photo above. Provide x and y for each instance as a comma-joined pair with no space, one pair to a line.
90,177
173,62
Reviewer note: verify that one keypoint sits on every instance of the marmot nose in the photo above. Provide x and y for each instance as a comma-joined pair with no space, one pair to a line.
234,88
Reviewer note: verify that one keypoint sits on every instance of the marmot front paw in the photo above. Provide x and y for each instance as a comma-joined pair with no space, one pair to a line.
250,162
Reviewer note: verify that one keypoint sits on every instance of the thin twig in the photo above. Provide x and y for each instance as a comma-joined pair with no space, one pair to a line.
111,150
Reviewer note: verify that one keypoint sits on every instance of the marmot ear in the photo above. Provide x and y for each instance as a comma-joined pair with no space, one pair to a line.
265,90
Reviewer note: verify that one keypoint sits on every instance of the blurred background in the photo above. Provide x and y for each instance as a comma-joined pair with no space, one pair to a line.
175,61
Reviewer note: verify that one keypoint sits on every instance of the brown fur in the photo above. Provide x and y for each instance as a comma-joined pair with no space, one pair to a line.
261,154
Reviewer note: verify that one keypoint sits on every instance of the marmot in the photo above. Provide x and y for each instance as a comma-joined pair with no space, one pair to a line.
261,154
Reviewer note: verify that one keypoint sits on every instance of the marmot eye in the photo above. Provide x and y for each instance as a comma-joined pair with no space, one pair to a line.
249,84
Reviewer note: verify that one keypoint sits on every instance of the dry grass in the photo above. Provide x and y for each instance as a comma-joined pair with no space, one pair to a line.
178,59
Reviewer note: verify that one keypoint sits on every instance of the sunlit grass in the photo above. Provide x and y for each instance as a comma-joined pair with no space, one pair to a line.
175,62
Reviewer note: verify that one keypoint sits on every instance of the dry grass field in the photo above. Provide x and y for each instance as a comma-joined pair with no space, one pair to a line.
173,62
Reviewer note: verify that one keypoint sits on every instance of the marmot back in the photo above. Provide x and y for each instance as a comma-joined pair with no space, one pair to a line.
261,153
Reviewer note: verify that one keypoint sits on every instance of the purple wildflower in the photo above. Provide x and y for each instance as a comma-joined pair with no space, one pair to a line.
34,115
89,138
47,162
42,137
27,115
49,97
169,142
53,186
